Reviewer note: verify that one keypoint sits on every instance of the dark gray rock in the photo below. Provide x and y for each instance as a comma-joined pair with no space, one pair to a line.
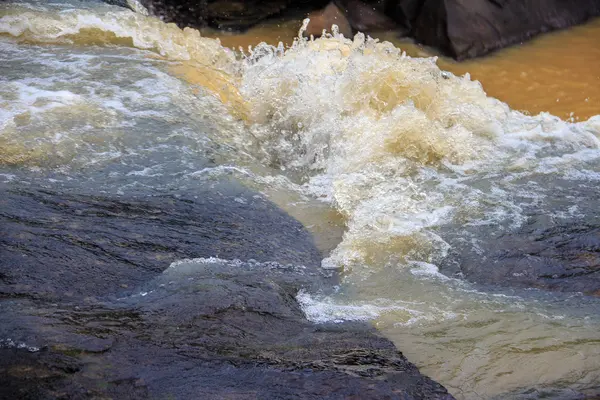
210,328
464,29
565,258
57,245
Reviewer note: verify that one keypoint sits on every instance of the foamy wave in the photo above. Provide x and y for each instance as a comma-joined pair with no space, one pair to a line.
395,144
251,263
326,309
112,25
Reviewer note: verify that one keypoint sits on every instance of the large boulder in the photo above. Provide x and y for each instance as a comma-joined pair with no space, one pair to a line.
465,29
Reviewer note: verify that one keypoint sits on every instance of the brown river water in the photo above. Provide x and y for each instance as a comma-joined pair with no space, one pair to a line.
381,155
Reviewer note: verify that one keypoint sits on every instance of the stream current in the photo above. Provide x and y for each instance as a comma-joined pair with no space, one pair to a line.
390,162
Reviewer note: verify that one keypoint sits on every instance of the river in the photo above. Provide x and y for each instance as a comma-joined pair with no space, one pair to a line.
388,160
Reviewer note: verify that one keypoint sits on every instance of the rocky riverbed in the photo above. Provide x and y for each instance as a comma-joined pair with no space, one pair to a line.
146,252
91,307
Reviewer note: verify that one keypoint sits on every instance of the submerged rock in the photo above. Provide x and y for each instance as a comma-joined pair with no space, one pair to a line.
557,393
563,258
553,244
90,309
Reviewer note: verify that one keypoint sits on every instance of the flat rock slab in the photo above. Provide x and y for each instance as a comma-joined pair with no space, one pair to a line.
202,330
90,307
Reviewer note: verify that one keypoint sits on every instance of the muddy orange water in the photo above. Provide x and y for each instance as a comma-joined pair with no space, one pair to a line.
557,72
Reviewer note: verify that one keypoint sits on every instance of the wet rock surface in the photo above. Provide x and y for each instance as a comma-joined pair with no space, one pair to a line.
465,29
88,312
556,247
563,258
59,245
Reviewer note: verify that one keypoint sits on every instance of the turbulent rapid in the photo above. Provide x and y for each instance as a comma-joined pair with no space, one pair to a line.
391,163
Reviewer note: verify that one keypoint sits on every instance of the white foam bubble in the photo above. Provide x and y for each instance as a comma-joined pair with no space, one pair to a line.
12,344
327,309
420,268
251,263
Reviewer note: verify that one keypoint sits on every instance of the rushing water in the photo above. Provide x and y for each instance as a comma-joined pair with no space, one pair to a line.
385,158
557,72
